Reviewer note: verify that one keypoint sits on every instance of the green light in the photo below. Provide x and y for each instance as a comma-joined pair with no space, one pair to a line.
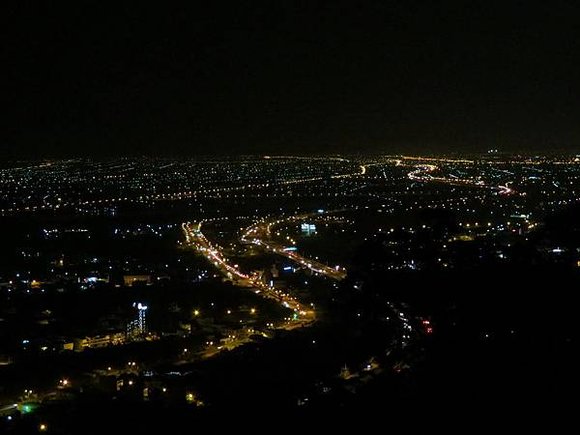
27,408
295,316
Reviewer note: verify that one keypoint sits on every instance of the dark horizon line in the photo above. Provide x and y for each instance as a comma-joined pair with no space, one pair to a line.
95,156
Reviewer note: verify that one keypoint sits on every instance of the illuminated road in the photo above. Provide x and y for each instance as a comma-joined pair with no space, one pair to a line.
183,194
424,173
259,234
195,239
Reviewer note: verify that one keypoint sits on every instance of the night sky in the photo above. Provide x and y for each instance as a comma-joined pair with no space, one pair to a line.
82,79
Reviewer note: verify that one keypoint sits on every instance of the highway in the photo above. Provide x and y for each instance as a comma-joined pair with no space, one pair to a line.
195,239
423,173
260,234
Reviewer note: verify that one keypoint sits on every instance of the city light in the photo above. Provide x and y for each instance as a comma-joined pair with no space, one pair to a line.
360,212
262,247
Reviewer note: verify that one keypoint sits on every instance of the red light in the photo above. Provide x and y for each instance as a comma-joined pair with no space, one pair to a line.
425,322
429,330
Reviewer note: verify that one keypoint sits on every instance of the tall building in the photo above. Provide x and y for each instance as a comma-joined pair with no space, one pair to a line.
138,326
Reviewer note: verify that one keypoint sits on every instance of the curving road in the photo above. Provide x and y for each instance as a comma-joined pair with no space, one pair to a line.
259,234
424,171
196,240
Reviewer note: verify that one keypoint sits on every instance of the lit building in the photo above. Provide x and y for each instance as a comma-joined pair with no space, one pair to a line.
138,326
308,228
131,280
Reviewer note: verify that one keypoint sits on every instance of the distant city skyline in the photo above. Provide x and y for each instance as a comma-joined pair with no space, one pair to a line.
355,211
163,292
